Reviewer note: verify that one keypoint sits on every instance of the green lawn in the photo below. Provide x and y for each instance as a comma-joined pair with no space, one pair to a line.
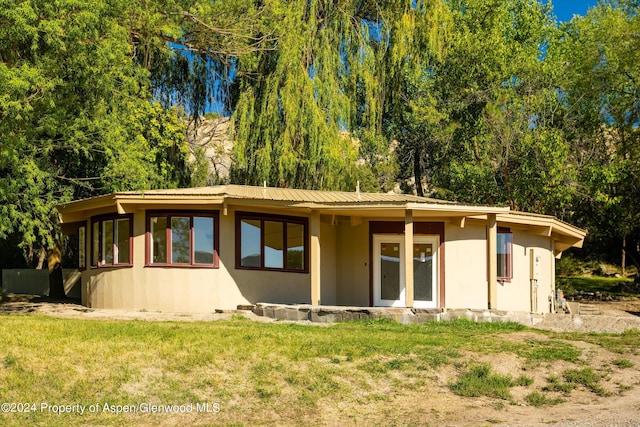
252,373
589,284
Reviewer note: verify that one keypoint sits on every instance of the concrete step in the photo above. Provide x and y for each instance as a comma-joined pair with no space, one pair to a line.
589,309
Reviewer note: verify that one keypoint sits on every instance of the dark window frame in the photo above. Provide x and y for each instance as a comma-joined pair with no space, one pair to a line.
509,256
100,221
285,220
182,213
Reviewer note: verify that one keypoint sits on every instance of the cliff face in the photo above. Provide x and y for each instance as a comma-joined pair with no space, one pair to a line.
213,137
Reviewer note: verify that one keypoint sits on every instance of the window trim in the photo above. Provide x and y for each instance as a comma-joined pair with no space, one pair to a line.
100,220
509,255
182,213
285,220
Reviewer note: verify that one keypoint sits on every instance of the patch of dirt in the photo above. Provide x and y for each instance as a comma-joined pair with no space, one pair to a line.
615,317
627,307
72,309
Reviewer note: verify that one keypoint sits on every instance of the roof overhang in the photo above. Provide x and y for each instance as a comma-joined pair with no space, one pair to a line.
355,205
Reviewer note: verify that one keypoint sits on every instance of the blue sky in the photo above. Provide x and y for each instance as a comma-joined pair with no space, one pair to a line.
565,9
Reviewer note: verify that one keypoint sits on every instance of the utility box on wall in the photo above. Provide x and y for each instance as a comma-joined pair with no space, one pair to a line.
534,276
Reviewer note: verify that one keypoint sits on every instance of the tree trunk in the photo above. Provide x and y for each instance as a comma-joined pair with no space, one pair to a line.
56,280
417,171
42,256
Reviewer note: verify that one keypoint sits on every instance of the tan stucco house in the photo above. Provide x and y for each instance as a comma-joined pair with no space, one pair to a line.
201,249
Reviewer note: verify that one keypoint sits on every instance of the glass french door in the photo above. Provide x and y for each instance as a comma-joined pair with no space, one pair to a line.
388,272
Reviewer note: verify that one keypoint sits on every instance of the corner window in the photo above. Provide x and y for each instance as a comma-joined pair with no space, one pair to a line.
269,242
182,239
111,241
505,249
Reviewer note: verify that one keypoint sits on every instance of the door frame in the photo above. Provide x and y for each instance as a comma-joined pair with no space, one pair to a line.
434,240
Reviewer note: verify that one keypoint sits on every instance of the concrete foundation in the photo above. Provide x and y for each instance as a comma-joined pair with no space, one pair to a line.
332,314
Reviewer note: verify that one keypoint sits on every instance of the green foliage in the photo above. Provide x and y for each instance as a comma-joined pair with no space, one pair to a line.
75,116
329,73
600,79
606,285
491,97
484,102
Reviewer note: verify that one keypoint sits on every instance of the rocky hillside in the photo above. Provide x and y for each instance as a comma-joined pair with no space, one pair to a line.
212,136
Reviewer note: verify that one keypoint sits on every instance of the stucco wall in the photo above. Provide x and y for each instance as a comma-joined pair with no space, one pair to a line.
466,270
465,266
174,289
352,261
345,274
516,294
328,264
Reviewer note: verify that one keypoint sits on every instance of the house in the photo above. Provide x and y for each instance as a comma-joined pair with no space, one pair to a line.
200,249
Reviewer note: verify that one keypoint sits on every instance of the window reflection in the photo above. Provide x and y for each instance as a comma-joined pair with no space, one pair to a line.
250,243
180,240
203,240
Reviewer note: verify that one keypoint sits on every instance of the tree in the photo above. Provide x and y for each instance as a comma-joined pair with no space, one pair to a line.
477,121
72,103
330,73
601,52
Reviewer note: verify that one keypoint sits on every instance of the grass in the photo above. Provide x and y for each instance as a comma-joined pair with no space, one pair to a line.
573,284
623,363
573,378
556,384
480,380
258,373
586,377
538,399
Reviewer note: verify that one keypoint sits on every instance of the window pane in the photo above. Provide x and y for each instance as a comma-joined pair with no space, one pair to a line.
504,254
390,271
159,240
203,240
107,242
250,243
273,244
122,240
180,240
82,244
423,272
295,246
95,239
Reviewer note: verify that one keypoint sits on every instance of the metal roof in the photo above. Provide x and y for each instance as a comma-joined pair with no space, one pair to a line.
287,195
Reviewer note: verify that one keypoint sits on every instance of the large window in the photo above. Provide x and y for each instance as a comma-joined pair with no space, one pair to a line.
112,240
269,242
182,239
505,243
